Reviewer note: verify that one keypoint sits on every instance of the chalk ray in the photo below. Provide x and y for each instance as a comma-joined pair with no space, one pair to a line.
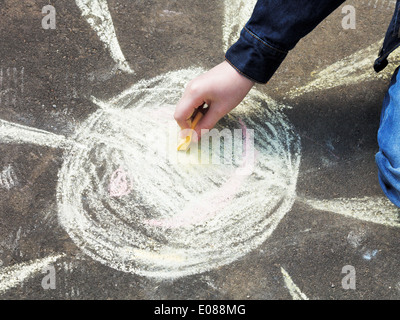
97,14
378,210
236,15
355,68
20,134
14,275
294,290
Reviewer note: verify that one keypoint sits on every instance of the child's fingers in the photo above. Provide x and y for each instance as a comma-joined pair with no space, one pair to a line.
209,120
182,115
185,108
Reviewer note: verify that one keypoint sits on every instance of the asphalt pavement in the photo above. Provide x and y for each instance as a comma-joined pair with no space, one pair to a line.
337,239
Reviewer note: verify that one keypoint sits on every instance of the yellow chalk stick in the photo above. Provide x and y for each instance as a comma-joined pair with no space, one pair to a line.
183,145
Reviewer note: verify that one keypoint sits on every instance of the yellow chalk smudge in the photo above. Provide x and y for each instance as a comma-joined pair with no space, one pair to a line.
185,143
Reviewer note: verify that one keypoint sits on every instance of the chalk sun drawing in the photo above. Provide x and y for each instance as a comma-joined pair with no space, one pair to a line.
109,217
118,231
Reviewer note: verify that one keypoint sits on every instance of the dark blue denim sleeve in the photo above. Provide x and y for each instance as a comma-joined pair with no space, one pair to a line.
274,28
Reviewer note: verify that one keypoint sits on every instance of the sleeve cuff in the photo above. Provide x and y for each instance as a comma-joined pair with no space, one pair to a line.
254,58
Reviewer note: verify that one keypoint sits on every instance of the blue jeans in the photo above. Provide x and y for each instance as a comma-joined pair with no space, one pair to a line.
388,157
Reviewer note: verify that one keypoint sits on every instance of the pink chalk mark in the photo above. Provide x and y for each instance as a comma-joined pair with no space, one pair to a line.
210,204
120,184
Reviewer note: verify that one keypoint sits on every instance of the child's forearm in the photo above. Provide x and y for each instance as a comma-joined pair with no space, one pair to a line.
274,28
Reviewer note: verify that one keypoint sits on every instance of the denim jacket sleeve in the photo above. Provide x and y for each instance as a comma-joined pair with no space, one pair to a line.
275,28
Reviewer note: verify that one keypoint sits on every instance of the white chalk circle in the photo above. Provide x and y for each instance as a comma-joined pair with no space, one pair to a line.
127,134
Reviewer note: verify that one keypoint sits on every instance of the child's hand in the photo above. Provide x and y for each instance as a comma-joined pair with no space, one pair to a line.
221,88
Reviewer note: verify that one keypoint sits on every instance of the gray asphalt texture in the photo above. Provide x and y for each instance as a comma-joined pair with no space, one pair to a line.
63,68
